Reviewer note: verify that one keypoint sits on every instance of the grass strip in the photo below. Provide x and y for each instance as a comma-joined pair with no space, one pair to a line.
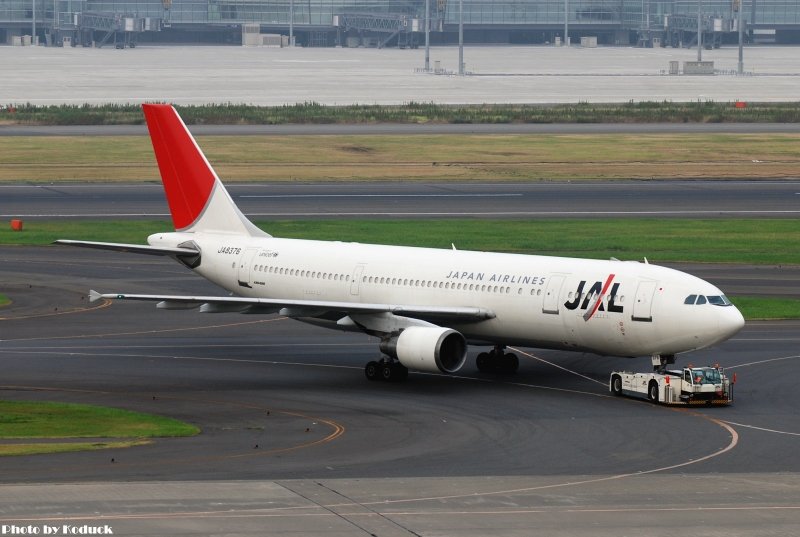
65,420
412,112
466,157
758,309
4,300
724,240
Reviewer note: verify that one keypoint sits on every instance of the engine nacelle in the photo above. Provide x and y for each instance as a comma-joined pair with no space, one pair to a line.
432,349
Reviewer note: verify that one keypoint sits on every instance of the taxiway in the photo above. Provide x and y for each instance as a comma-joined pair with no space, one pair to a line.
296,440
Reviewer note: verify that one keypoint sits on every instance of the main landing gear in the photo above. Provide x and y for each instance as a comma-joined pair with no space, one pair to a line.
497,361
387,370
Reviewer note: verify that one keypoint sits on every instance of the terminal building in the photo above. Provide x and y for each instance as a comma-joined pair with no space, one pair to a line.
395,23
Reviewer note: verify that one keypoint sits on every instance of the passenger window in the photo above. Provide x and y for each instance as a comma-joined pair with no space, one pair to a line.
690,299
701,300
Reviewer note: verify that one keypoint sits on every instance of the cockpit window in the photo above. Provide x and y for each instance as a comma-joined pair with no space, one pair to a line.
720,300
717,300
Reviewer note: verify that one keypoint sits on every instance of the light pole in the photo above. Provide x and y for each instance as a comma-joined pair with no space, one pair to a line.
291,23
699,30
427,36
460,37
566,23
740,66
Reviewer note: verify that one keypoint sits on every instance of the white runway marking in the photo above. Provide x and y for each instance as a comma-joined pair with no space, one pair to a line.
425,214
764,361
508,195
761,428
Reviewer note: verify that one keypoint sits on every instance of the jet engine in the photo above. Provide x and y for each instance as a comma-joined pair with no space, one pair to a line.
432,349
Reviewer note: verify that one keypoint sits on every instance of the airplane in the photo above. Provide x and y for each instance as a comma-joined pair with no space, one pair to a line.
425,305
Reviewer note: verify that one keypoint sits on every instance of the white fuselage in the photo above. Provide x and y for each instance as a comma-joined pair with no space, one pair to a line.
607,307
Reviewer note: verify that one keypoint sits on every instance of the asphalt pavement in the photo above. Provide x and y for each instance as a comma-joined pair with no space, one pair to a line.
623,199
296,440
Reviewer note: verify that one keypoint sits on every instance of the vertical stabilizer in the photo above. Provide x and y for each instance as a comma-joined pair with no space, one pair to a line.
197,199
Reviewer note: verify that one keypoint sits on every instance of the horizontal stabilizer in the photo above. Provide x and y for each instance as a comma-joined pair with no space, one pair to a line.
132,248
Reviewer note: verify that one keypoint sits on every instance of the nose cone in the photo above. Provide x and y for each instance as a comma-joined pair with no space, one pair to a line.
730,322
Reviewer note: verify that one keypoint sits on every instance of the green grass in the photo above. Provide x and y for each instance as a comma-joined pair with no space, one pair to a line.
4,300
751,241
41,232
63,420
757,308
767,241
412,112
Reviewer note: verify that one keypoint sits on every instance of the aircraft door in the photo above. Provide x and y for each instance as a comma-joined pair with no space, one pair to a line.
643,303
245,264
552,294
355,282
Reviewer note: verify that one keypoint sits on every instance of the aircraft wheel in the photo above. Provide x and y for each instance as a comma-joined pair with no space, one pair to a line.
372,370
483,362
510,363
393,372
616,385
387,372
652,392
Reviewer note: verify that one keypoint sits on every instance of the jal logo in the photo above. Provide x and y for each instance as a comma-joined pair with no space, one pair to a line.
592,300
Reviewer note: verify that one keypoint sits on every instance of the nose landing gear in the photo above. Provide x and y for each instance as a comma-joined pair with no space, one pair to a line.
661,361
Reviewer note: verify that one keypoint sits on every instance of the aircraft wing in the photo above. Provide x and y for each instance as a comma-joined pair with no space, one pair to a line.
301,308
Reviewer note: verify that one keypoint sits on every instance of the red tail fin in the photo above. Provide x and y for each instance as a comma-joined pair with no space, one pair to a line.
188,178
197,199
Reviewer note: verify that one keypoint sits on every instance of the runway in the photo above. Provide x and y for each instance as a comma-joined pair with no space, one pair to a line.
295,440
667,199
